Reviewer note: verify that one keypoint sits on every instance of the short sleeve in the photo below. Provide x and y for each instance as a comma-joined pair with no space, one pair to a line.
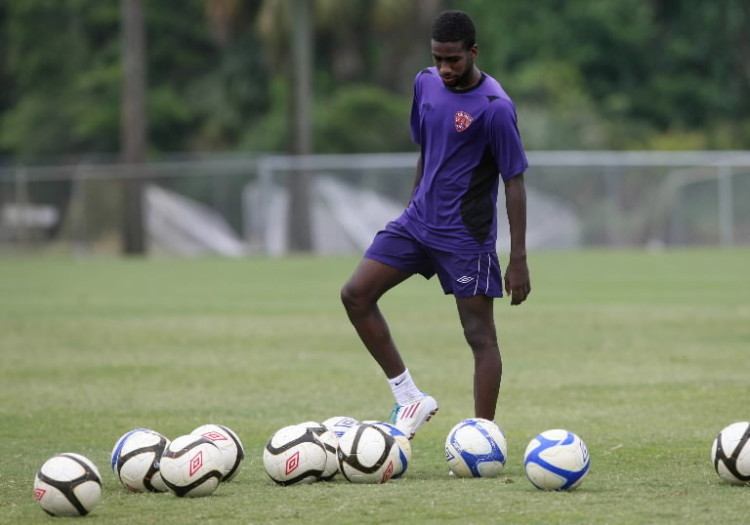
505,139
415,120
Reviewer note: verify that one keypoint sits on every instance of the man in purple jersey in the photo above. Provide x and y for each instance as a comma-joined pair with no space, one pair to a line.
466,127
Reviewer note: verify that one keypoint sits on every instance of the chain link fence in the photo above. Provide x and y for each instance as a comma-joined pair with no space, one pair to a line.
235,205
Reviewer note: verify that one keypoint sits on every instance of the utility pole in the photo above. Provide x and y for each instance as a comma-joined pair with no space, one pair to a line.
300,180
133,125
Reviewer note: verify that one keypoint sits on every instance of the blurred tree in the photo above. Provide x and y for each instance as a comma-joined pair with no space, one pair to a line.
63,97
234,94
382,42
6,79
358,42
362,119
204,88
585,73
646,68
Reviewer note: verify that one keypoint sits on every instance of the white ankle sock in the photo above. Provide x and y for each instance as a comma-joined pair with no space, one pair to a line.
404,389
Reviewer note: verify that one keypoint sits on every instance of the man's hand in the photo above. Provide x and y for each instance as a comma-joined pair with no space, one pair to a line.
517,282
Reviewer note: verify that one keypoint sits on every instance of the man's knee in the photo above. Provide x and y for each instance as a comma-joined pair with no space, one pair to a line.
348,295
353,297
481,337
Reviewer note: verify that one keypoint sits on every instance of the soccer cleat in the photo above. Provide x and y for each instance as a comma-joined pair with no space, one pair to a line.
408,418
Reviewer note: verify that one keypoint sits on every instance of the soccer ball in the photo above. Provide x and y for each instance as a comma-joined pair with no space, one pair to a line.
404,447
556,460
229,445
294,455
135,460
192,466
340,424
731,453
368,454
331,445
477,448
68,485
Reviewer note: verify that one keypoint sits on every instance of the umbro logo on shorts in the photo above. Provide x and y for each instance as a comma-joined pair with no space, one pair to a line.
464,279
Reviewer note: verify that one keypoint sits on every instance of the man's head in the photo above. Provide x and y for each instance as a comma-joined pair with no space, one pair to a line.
454,26
454,48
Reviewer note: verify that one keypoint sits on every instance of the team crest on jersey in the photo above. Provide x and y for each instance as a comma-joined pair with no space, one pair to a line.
462,121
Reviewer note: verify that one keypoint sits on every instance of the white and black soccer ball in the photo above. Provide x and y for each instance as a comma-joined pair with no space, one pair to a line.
340,424
135,460
476,448
731,453
556,460
229,444
330,442
68,484
368,454
192,466
294,455
404,446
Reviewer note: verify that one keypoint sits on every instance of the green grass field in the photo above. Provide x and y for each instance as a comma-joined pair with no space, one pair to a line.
645,356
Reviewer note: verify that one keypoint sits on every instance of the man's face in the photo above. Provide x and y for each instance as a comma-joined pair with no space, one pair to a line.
455,63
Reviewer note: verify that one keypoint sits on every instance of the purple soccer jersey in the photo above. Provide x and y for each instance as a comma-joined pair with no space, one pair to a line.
468,139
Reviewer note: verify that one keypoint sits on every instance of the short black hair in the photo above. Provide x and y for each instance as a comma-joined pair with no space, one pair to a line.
454,26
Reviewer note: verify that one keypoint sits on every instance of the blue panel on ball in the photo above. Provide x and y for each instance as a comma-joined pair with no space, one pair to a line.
570,477
474,460
121,443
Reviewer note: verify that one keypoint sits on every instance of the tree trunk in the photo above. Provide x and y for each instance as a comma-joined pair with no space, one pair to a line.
133,131
299,220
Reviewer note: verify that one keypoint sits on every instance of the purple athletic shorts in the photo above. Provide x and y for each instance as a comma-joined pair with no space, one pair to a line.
463,275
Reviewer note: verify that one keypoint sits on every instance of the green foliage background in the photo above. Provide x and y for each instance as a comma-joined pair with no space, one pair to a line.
585,74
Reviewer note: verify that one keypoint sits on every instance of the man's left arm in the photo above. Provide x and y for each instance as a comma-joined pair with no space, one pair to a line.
517,281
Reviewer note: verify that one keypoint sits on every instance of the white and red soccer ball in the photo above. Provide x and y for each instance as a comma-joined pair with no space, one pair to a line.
295,455
192,466
330,442
368,454
730,453
68,484
403,443
229,444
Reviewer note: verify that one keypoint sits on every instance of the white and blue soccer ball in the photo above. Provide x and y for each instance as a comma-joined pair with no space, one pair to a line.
229,444
330,442
404,447
368,454
477,448
556,460
135,460
68,485
340,424
192,466
294,455
730,453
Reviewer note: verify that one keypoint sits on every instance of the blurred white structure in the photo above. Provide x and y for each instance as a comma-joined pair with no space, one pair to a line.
180,226
345,218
